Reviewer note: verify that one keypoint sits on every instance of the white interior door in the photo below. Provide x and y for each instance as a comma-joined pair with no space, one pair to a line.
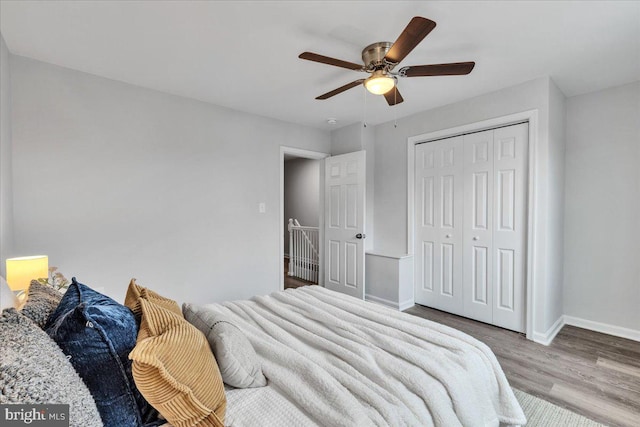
510,226
345,223
478,226
438,243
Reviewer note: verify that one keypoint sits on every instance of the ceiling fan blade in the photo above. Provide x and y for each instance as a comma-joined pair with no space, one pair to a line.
393,97
413,34
452,69
340,89
309,56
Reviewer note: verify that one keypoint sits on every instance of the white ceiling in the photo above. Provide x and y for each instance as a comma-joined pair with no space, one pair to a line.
244,55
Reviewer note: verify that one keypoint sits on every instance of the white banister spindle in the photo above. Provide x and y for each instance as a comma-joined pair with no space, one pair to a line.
305,270
308,249
306,261
303,251
297,251
290,247
315,269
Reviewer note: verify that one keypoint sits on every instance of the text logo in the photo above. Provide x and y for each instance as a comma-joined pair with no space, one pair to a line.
34,415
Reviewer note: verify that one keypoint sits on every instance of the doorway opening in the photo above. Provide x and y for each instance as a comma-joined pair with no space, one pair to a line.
301,217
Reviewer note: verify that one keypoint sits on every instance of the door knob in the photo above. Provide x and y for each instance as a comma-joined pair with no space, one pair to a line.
448,236
361,236
476,238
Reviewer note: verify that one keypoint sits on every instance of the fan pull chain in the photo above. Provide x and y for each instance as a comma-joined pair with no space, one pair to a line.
364,113
364,124
395,104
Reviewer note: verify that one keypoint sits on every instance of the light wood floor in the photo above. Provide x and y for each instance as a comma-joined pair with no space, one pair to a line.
587,372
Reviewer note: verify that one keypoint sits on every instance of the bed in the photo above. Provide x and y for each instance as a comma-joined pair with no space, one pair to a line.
327,359
334,360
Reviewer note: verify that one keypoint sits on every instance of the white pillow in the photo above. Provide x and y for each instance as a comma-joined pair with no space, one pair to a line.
7,297
237,360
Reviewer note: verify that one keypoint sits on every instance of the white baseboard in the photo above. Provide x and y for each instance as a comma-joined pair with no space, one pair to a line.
544,338
406,304
548,336
605,328
384,301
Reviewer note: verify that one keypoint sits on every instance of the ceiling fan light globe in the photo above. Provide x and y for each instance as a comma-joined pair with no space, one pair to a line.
379,85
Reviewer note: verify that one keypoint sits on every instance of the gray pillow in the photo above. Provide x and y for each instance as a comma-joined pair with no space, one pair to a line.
237,360
34,370
42,300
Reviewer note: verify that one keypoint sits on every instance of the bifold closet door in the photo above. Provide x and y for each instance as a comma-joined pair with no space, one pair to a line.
438,219
477,244
510,156
470,225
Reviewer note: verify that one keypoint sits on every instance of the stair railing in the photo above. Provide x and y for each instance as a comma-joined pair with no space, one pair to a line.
303,251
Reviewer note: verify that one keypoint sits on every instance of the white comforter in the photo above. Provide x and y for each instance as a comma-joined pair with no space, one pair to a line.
333,360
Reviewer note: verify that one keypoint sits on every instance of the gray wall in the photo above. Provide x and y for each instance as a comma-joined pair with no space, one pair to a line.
391,178
602,210
301,194
114,181
6,198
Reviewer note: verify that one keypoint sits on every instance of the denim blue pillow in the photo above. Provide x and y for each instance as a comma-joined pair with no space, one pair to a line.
97,333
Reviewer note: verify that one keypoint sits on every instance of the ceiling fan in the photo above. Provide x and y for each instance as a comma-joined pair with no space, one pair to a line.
381,58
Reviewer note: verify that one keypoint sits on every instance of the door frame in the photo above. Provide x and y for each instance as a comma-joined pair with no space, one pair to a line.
305,154
530,116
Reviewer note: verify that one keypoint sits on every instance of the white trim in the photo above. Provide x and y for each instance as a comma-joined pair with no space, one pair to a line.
387,255
381,301
406,304
532,117
306,154
547,337
388,303
605,328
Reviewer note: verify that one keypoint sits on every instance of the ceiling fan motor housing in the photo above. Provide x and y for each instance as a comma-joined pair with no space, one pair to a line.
373,56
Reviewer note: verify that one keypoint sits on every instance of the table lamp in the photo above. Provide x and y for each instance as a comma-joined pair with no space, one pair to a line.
21,271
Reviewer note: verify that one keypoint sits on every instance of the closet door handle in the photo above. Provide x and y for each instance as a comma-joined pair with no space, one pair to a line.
476,238
448,236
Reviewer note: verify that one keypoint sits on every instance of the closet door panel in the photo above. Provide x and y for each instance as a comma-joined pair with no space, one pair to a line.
439,214
478,226
510,156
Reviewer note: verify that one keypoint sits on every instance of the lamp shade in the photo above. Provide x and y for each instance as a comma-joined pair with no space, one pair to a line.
21,271
379,83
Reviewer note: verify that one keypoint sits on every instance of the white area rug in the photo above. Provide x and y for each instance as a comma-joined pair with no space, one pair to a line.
541,413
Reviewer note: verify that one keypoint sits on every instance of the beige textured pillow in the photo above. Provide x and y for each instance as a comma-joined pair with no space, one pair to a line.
136,292
238,362
174,369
